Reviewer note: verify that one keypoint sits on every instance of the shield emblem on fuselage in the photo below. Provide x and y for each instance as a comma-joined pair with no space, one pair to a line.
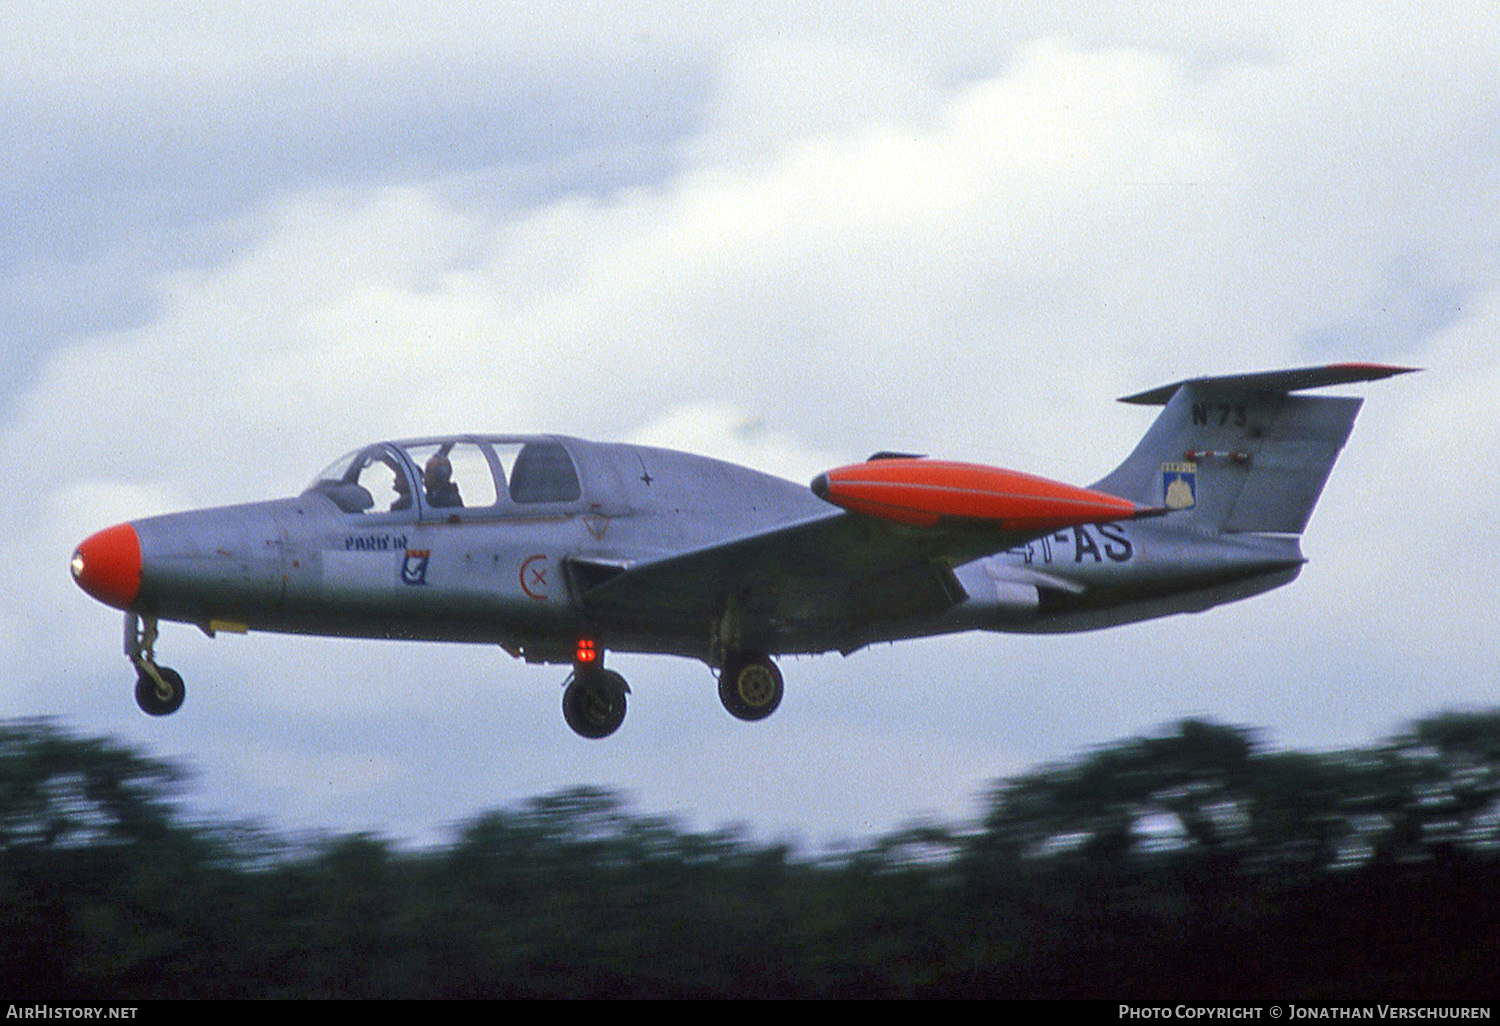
1179,485
414,566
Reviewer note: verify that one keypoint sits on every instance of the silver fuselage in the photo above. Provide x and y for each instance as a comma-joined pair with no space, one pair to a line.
518,574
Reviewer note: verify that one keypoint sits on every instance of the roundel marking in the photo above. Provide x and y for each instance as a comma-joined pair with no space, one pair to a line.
534,577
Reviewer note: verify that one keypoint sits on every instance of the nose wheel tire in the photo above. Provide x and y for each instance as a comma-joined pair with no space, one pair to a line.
159,697
594,703
750,687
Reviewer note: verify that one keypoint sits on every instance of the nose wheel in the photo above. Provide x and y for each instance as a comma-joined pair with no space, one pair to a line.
161,693
158,689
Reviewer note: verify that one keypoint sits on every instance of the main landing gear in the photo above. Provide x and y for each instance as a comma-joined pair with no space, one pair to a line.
158,689
750,686
593,698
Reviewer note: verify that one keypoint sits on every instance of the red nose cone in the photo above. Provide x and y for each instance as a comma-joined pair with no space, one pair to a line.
108,565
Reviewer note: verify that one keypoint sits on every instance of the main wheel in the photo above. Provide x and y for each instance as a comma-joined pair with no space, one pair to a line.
161,699
594,703
750,687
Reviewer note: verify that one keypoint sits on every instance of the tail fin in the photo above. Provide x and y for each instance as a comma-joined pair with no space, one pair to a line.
1239,453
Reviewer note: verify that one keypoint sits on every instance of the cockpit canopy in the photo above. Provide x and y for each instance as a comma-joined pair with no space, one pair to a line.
436,474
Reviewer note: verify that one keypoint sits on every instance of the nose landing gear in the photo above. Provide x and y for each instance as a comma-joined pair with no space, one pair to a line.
158,689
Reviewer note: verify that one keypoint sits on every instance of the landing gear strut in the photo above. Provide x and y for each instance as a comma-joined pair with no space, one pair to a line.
750,687
594,700
158,689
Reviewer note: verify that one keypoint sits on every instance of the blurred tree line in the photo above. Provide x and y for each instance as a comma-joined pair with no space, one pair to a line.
1196,863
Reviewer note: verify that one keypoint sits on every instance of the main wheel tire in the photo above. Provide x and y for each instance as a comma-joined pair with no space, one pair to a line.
750,687
160,699
594,703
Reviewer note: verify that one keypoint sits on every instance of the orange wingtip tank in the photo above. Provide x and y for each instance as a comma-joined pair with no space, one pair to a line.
923,492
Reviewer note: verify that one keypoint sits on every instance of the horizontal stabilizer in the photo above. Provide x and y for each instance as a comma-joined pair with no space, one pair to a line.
1281,381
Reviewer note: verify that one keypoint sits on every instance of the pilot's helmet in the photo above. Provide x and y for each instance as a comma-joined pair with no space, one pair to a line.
438,470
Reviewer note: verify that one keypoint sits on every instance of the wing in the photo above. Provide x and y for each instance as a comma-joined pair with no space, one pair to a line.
837,562
889,554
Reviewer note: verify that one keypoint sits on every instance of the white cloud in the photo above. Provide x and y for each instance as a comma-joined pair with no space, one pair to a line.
968,255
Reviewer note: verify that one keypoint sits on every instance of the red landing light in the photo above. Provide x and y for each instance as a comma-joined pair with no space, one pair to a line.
586,654
107,565
922,492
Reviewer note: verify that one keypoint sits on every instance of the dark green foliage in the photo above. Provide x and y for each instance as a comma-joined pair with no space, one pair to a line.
1194,863
1199,863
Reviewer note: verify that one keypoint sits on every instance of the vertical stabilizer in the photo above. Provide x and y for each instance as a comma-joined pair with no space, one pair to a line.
1240,453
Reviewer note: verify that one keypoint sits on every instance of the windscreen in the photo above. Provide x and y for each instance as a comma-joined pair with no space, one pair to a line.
365,481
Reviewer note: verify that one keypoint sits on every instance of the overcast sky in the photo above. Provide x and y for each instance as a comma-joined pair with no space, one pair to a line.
237,240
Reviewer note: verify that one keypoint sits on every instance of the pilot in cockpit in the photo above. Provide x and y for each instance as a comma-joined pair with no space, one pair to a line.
437,478
402,488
